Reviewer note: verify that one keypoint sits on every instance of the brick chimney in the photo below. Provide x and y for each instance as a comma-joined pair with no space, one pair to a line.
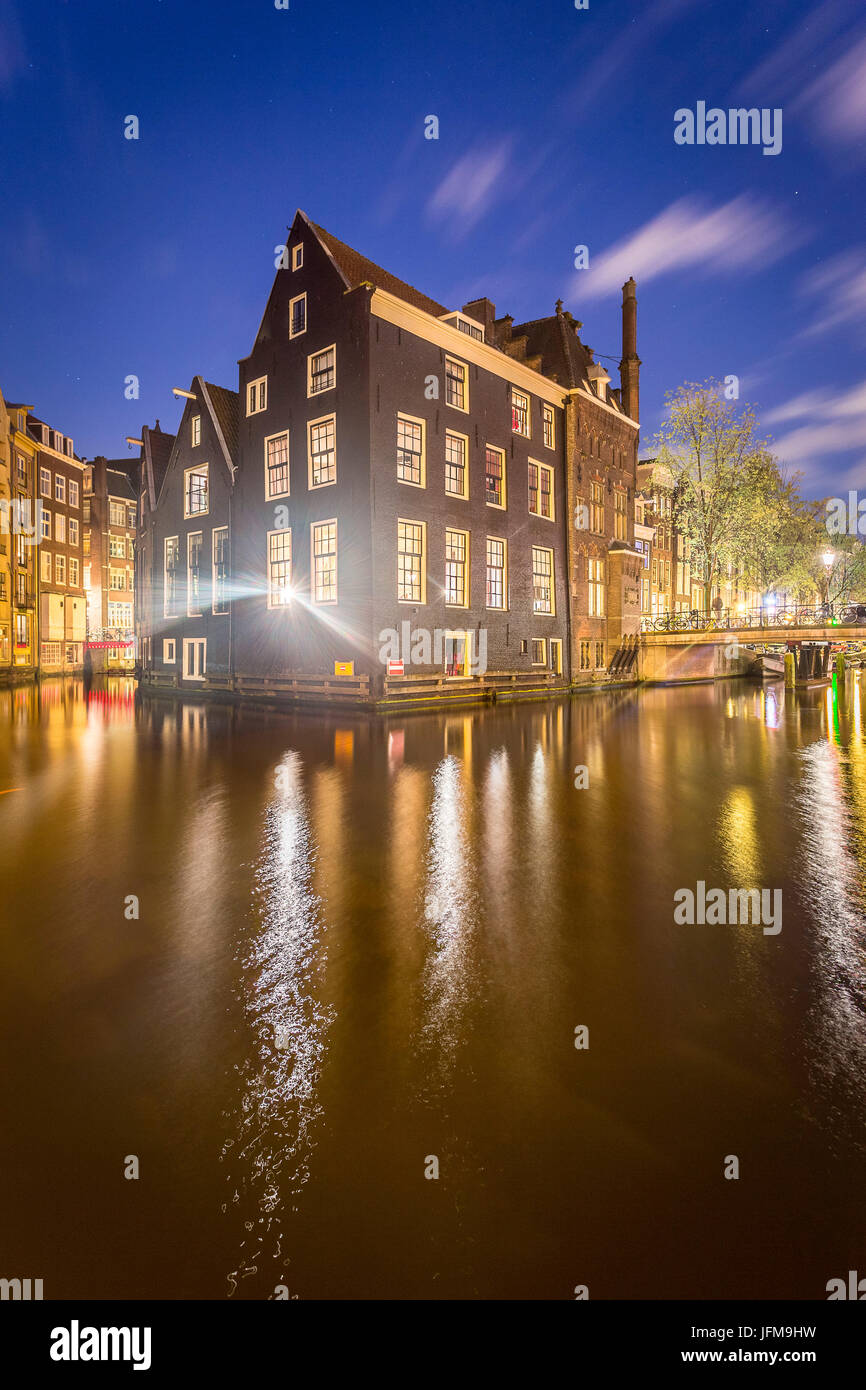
629,367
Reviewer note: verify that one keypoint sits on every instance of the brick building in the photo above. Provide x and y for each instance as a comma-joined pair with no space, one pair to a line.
62,605
389,469
110,517
23,547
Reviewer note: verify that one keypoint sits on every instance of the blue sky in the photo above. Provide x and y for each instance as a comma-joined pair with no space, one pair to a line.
155,256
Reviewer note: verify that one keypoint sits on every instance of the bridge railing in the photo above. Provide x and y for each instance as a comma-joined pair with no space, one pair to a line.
848,614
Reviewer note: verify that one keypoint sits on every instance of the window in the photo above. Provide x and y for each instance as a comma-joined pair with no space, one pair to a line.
322,449
86,543
119,614
169,651
595,574
519,413
59,487
655,574
73,530
257,395
298,256
596,508
22,471
548,428
411,537
117,579
279,568
60,527
456,383
131,516
539,651
324,542
620,519
220,569
410,450
585,656
46,524
59,569
542,580
321,371
554,662
599,656
131,548
541,490
73,572
456,472
494,476
277,465
194,650
88,481
44,482
195,430
297,316
51,653
171,565
73,493
456,567
456,654
58,441
117,547
496,573
195,490
193,574
45,567
87,576
116,514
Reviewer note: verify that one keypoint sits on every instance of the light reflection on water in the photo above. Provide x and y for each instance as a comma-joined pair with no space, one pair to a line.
269,1158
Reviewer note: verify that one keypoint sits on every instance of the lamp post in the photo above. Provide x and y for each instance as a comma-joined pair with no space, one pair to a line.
828,559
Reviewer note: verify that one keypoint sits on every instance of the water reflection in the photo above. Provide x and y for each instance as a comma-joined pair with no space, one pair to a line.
283,965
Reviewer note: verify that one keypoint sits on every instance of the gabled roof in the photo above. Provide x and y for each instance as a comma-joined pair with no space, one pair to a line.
119,482
356,269
156,454
225,405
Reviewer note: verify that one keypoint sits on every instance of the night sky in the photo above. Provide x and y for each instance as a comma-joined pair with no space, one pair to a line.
556,125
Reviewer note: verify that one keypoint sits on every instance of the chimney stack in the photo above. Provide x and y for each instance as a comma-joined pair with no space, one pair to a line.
629,367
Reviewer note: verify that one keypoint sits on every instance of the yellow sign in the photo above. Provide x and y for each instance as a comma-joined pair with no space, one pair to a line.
344,668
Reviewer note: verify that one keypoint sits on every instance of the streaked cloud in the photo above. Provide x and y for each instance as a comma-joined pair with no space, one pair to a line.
741,235
832,423
472,186
838,289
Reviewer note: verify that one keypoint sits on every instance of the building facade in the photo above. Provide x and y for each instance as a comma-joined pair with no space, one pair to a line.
24,540
110,520
396,488
59,476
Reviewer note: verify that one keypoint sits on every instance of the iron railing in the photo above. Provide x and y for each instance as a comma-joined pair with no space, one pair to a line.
802,615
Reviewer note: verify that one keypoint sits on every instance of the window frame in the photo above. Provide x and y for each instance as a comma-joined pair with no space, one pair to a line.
422,560
412,420
458,531
190,537
195,431
172,643
495,449
331,417
194,642
269,561
314,527
269,496
166,541
259,407
224,608
198,468
311,356
542,642
457,362
503,606
292,302
525,395
550,575
297,255
548,414
543,469
456,434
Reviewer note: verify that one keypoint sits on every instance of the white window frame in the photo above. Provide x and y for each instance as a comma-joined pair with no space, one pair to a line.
527,434
59,487
456,434
194,642
281,607
551,611
532,642
260,397
315,526
73,570
542,469
503,606
46,575
165,545
59,568
458,362
268,439
460,531
413,420
548,413
320,420
60,527
190,535
196,468
411,521
73,530
45,482
73,493
46,525
195,431
332,347
292,302
169,651
218,612
297,255
503,505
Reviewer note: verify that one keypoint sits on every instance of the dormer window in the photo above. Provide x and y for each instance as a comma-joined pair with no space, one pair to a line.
465,325
58,441
45,433
69,450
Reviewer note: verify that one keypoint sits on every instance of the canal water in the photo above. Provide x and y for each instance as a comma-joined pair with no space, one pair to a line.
296,965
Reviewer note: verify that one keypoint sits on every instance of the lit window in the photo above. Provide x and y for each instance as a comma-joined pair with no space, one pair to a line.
496,579
297,316
117,547
45,482
456,383
193,574
59,488
541,490
494,476
279,568
277,465
324,542
73,530
195,491
220,569
257,395
596,508
73,572
60,527
196,430
46,524
595,573
116,514
520,413
116,579
45,567
539,651
171,565
547,421
73,493
410,561
456,473
60,569
410,450
620,518
542,580
456,565
321,371
322,448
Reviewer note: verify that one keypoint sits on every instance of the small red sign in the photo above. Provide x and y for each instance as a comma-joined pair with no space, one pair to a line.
395,668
